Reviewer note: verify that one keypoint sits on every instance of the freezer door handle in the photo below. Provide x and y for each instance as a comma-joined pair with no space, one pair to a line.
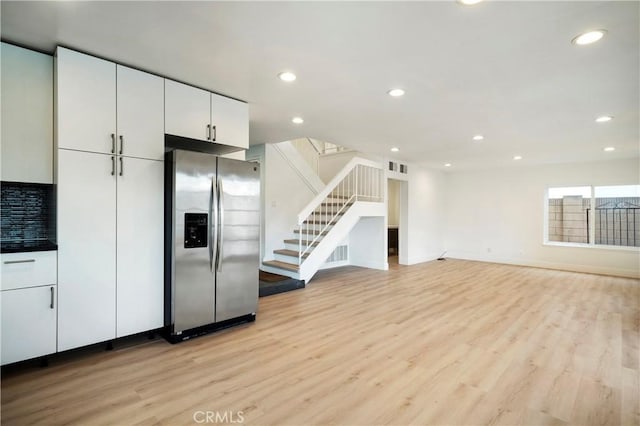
212,215
220,225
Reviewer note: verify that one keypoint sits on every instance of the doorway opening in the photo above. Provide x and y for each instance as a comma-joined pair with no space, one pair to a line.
396,221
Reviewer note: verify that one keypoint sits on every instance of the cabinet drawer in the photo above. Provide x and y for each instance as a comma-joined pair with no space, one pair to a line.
20,270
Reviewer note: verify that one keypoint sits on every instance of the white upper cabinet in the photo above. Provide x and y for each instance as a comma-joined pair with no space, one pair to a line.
140,113
187,111
197,114
94,95
229,121
26,112
86,102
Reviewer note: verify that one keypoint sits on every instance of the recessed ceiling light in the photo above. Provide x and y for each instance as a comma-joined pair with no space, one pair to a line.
447,165
469,2
589,37
609,149
517,157
478,137
287,76
604,119
297,120
396,92
394,149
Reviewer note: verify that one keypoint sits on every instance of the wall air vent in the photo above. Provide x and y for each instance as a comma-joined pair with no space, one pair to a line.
393,166
404,169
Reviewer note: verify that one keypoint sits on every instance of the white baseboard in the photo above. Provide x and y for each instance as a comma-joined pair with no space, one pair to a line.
590,269
412,260
382,265
331,265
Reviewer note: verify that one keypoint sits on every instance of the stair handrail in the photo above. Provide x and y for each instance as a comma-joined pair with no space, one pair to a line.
333,183
360,179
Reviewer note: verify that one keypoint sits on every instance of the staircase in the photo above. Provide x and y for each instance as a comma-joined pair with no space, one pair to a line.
356,191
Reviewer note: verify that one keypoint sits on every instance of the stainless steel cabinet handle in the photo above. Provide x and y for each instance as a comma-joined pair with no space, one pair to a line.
121,144
9,262
113,166
220,224
208,131
215,133
113,143
51,305
121,167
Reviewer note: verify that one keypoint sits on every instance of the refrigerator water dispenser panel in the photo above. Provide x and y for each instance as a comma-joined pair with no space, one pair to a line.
195,230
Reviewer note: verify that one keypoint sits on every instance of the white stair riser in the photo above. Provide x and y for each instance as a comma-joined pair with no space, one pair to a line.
285,258
294,247
317,226
279,271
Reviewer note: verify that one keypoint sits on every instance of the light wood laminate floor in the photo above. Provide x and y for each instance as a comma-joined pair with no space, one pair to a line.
446,343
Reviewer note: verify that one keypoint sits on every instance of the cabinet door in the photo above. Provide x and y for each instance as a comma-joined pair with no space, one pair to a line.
140,114
187,111
230,121
28,323
86,248
86,101
140,284
26,112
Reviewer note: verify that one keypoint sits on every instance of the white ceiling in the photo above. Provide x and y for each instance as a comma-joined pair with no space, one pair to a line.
506,70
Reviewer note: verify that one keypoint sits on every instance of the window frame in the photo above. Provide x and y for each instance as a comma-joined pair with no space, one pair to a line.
592,223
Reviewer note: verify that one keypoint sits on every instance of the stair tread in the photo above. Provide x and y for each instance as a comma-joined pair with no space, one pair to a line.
308,231
320,222
282,265
287,252
335,204
297,242
315,213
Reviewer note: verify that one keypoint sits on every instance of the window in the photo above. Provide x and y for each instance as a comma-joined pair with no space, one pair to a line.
617,215
602,215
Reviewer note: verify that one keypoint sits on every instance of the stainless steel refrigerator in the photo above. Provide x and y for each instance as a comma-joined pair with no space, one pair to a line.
212,242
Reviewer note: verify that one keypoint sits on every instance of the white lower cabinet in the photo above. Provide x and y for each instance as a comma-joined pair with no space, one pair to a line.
86,248
110,247
140,246
28,323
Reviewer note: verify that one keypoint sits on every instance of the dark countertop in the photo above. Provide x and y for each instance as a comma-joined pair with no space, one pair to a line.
27,246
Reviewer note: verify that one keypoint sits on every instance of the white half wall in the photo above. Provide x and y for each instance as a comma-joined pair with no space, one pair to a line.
498,216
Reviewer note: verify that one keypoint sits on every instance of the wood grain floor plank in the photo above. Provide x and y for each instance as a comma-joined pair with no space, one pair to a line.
443,343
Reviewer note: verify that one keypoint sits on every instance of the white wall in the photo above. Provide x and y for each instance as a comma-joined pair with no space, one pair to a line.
423,197
498,216
329,165
368,243
421,239
285,194
393,202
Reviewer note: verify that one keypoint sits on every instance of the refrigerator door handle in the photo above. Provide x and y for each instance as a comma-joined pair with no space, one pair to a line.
212,220
220,225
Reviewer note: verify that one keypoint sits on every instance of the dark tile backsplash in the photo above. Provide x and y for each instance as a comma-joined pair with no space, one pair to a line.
27,212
